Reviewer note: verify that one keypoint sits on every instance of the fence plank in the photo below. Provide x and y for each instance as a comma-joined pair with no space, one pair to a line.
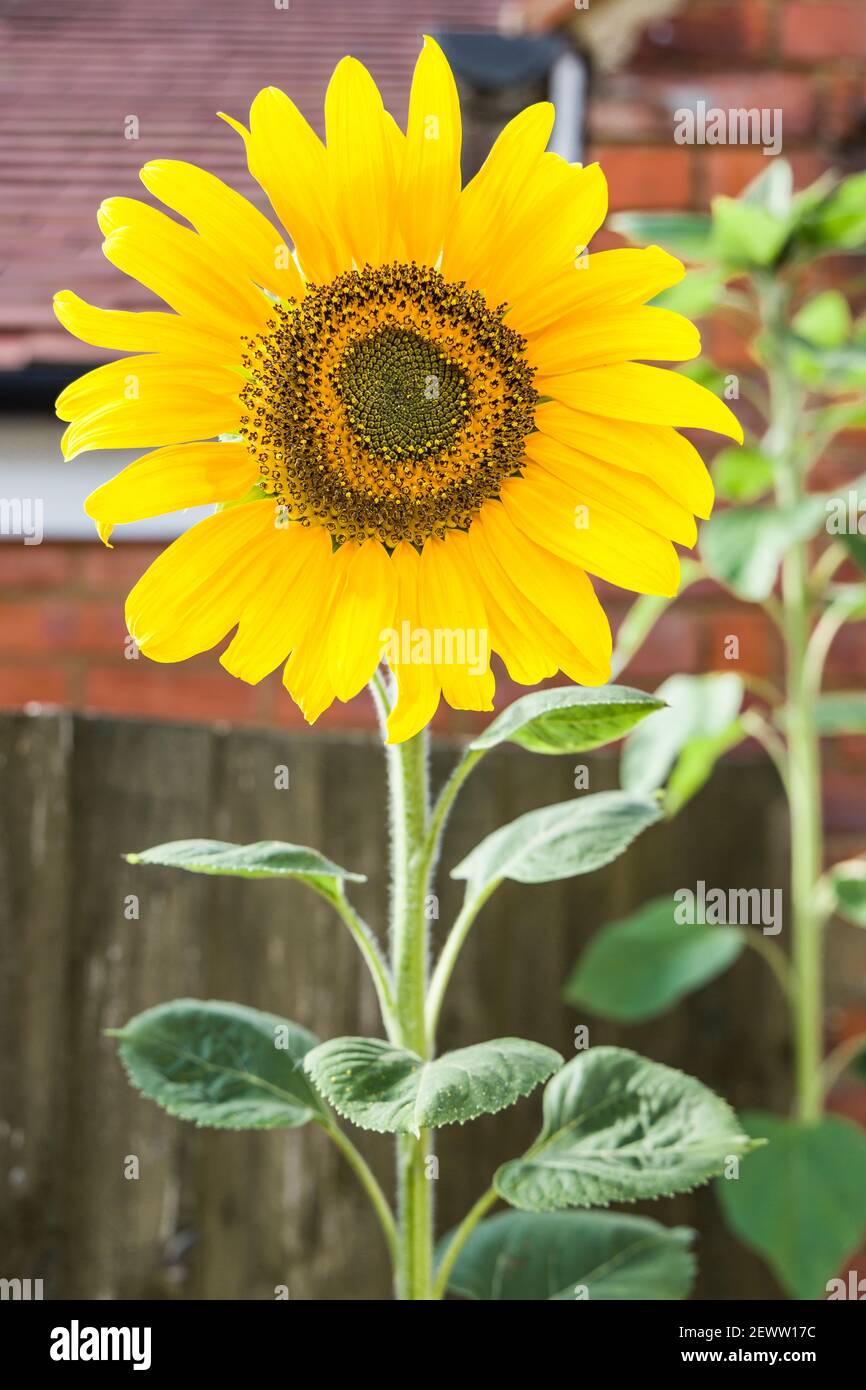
219,1215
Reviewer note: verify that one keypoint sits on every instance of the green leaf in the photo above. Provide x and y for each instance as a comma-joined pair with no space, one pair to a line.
699,707
266,859
696,763
841,712
830,370
830,420
618,1128
560,841
838,221
600,1256
743,547
637,968
745,234
742,474
856,547
695,296
220,1065
389,1089
824,320
772,189
848,885
687,235
801,1201
570,719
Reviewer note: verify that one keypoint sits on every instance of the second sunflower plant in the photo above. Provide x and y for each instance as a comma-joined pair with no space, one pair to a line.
424,415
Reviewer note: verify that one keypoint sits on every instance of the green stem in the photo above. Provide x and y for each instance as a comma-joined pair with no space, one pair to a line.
363,1172
774,958
840,1060
459,1239
449,953
804,800
444,802
408,806
369,948
803,752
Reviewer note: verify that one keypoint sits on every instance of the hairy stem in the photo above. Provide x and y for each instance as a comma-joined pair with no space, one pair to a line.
803,751
408,798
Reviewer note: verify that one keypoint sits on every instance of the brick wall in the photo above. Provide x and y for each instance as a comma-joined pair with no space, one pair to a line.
61,624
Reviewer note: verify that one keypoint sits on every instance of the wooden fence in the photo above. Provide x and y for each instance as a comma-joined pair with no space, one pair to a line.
223,1215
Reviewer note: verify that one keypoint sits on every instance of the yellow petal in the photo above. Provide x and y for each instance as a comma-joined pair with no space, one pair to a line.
600,484
430,180
306,675
361,164
193,594
486,202
277,614
362,619
417,686
658,451
613,335
517,632
141,402
182,475
591,535
180,267
453,614
237,232
561,209
651,395
558,589
288,159
606,279
125,331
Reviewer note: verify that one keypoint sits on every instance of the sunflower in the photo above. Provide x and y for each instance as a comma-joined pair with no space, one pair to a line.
421,411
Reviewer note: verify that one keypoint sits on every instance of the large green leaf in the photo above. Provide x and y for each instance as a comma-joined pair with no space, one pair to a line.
220,1065
595,1255
699,708
635,969
841,712
266,859
687,235
386,1088
743,547
801,1201
560,841
570,719
618,1128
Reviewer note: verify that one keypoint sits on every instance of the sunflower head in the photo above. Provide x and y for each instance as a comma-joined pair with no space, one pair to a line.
425,414
389,404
